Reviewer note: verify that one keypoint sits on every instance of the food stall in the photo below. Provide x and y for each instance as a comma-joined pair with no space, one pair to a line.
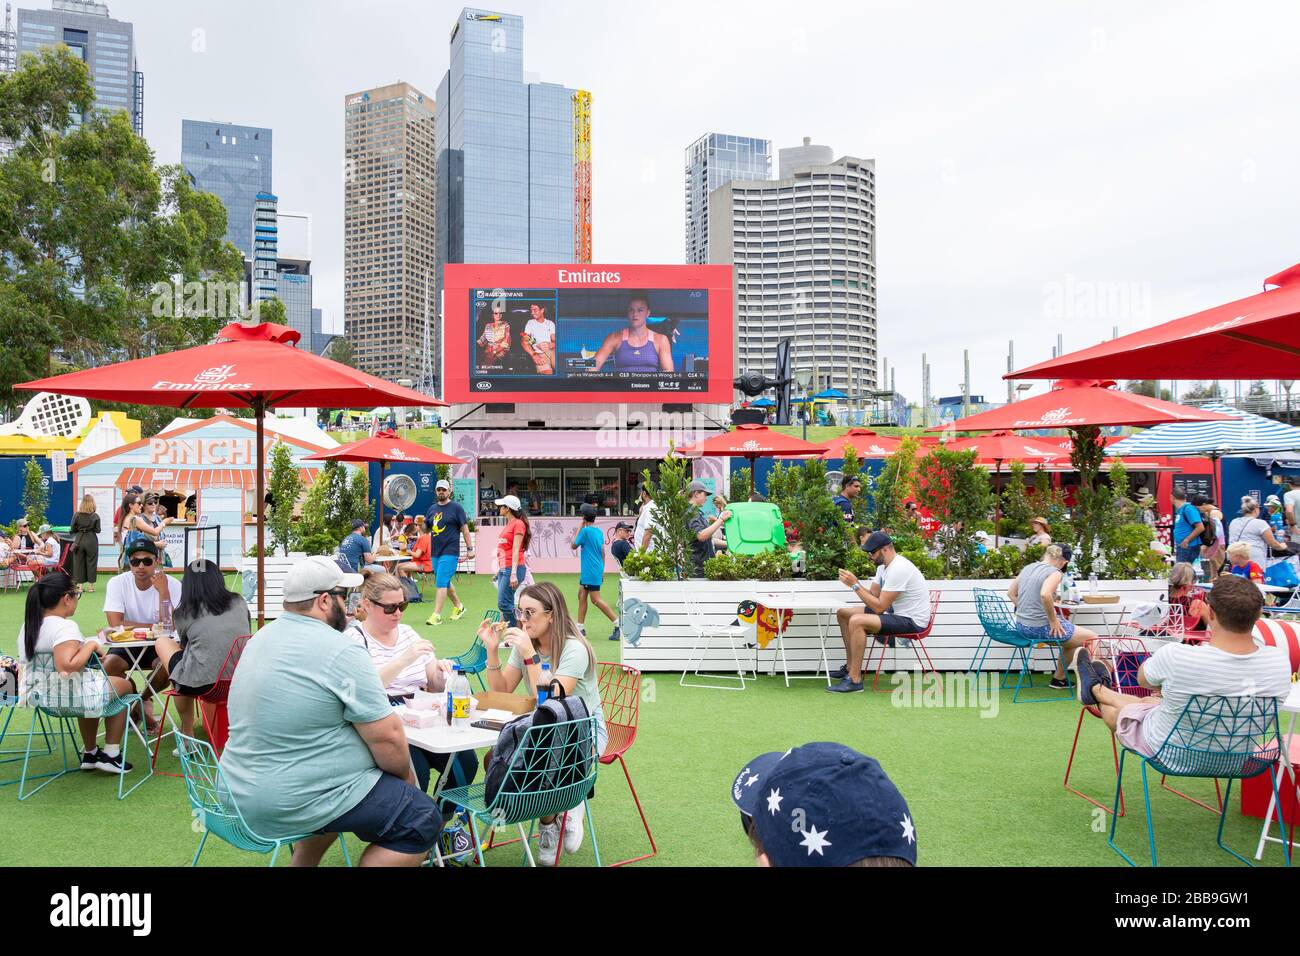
206,469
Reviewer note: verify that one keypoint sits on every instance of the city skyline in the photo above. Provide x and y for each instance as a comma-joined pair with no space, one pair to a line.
1058,171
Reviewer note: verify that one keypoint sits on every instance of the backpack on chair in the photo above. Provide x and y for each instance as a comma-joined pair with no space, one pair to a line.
544,769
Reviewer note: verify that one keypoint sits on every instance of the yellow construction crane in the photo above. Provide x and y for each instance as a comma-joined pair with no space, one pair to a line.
581,176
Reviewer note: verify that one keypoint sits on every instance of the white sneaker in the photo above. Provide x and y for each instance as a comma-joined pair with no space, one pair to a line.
573,829
548,843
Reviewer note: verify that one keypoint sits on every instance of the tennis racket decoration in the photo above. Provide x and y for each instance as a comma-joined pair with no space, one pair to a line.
48,415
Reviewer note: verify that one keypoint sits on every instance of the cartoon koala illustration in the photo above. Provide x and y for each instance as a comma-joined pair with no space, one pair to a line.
637,615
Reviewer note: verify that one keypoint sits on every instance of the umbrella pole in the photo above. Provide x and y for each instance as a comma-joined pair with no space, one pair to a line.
259,410
382,466
997,504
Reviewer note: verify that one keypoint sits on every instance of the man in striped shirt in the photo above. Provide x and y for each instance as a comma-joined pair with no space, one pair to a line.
1230,665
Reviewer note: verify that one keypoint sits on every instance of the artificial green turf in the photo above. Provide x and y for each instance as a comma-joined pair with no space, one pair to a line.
981,790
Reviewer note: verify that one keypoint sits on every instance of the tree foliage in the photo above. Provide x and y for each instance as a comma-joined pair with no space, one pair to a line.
1150,388
36,494
284,487
957,493
94,238
670,535
894,485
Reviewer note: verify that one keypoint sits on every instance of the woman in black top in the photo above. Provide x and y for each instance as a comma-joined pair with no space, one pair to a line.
85,546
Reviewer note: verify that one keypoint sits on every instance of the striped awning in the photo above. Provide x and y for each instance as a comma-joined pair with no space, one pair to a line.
191,479
1249,434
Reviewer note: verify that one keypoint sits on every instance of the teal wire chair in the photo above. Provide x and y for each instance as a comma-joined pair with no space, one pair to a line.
214,809
65,697
8,707
474,661
1214,737
551,772
999,622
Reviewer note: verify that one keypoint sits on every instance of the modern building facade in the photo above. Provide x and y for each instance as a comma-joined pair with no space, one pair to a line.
265,248
234,163
106,45
803,248
712,161
514,158
389,230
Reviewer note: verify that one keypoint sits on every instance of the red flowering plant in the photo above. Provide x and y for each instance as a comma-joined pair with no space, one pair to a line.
957,493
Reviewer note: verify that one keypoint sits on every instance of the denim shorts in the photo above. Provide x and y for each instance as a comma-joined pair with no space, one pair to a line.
393,815
1044,631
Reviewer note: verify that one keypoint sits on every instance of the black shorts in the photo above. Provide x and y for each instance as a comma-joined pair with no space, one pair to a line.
590,588
393,815
897,624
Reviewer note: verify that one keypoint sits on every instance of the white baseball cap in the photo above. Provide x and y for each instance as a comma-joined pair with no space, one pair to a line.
511,502
443,484
315,576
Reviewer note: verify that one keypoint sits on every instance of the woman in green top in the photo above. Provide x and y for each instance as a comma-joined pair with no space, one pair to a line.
548,633
85,546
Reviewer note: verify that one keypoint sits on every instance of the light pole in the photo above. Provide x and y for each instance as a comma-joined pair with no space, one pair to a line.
1286,384
803,378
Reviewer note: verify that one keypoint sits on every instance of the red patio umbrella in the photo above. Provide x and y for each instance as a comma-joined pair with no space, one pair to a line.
1079,404
256,373
752,442
383,448
1252,338
865,443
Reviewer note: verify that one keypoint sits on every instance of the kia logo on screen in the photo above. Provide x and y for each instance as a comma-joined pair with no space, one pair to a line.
483,386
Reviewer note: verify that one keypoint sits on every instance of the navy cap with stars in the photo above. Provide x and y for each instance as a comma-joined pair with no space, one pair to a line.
824,804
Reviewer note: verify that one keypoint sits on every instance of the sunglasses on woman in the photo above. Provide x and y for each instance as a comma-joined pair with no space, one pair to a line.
397,608
526,613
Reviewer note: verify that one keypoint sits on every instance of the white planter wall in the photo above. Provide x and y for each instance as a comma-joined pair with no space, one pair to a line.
951,645
275,567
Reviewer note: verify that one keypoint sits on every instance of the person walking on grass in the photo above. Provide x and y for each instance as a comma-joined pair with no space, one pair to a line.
590,541
447,524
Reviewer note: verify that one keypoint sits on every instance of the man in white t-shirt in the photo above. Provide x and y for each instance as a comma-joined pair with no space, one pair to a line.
642,539
133,599
897,602
1292,502
539,340
1231,665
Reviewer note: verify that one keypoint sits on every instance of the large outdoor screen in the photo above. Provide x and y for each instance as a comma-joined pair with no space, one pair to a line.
574,333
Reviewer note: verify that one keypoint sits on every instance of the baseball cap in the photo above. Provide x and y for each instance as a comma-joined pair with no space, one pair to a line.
358,523
142,545
695,486
824,804
22,522
622,526
876,541
444,483
1270,500
43,528
314,576
1067,552
510,501
588,511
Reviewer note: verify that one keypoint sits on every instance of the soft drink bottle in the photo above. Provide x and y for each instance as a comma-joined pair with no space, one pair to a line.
544,685
458,694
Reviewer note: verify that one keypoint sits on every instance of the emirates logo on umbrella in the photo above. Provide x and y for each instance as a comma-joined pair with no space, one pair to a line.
209,380
1056,415
399,455
751,445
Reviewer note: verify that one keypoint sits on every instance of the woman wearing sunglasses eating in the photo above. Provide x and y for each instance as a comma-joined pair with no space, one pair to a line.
406,663
48,628
547,632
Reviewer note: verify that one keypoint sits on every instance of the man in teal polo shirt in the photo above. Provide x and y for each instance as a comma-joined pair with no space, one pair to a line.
314,744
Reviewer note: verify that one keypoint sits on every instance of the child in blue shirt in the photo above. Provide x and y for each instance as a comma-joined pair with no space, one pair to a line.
590,540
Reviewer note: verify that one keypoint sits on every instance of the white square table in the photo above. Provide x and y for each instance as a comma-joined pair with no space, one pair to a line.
786,601
442,739
1291,707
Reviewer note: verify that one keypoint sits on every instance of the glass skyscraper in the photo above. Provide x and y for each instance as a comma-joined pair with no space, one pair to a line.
513,157
233,163
106,45
714,160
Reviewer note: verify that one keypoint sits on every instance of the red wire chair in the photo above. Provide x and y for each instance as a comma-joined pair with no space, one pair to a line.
1124,655
917,648
212,705
620,699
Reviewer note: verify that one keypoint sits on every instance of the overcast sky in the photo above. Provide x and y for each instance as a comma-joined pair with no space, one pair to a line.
1042,167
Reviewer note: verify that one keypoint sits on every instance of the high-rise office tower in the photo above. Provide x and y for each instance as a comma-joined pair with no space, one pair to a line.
233,163
265,246
293,279
388,228
107,46
803,248
714,160
514,158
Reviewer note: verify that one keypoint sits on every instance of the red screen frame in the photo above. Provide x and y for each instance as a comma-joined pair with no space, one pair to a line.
459,279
